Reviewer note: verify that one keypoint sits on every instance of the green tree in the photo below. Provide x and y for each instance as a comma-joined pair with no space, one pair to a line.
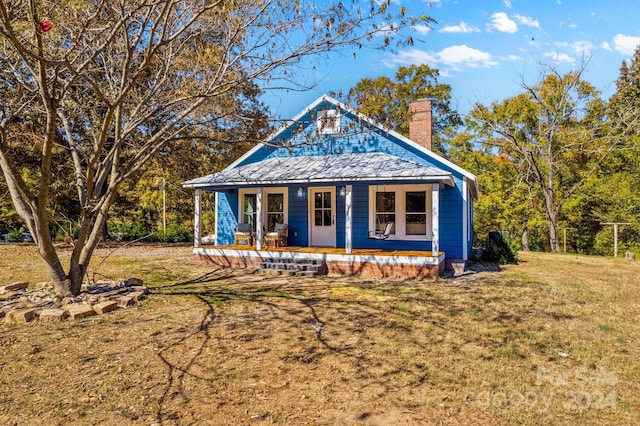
614,195
109,84
387,101
554,133
506,203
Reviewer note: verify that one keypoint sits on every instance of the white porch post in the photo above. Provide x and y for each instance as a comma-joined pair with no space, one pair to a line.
465,219
215,219
259,219
197,222
435,219
348,219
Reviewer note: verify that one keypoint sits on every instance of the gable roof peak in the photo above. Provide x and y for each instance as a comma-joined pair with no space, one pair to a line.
326,98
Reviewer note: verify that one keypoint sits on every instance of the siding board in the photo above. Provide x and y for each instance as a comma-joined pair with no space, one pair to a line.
303,141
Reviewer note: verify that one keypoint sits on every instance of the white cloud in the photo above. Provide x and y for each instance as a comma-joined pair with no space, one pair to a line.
528,21
559,58
421,29
463,56
507,3
582,47
411,57
625,44
606,46
573,26
462,27
456,58
513,57
501,22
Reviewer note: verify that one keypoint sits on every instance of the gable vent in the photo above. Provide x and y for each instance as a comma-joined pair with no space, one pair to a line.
329,122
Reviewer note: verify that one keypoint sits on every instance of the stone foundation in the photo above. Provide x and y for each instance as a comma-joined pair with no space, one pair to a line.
365,269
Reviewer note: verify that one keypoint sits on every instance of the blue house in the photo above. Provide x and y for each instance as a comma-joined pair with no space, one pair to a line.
356,196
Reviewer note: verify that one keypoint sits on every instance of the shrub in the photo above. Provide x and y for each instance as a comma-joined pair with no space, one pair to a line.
498,249
15,236
178,233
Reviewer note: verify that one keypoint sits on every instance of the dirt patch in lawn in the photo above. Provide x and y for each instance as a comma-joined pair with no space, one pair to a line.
550,341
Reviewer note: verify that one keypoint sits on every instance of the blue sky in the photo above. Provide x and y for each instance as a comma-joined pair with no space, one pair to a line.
485,49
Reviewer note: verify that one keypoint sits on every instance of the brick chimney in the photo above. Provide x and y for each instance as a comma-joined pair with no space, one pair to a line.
420,124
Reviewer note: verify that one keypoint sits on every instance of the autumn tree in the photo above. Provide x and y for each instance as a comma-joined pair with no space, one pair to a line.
507,204
614,195
387,100
103,86
555,133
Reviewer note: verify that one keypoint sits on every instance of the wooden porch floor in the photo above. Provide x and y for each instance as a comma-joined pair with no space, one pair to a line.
330,250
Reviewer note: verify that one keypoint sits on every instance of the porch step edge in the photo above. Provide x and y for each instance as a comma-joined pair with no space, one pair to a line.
290,267
290,273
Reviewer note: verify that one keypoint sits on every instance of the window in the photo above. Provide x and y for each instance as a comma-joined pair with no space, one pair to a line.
385,210
275,210
416,209
407,206
329,122
249,210
322,208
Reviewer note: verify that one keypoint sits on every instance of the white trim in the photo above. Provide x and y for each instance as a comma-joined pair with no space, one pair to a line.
215,219
258,218
401,214
285,200
241,193
197,221
327,257
445,179
348,219
284,127
311,212
262,195
465,219
323,98
435,222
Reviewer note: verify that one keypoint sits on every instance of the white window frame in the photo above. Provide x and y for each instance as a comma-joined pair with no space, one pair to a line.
401,206
265,197
241,194
327,117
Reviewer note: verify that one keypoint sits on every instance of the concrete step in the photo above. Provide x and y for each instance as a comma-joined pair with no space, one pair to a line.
292,267
293,261
289,273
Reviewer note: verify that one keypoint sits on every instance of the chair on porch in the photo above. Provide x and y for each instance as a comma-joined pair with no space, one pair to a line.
379,234
277,238
243,235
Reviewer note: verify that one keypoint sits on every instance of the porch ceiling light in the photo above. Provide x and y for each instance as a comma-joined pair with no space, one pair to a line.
300,191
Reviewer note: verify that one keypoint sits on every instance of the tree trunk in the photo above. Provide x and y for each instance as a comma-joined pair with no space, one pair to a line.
525,236
553,233
552,219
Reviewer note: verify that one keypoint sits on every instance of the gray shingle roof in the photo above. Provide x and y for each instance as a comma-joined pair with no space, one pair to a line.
323,169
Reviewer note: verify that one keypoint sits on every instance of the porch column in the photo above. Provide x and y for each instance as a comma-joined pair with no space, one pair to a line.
465,219
215,219
197,223
259,219
348,219
435,219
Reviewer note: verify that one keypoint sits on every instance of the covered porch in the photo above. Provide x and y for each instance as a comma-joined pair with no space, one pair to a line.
331,205
368,263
